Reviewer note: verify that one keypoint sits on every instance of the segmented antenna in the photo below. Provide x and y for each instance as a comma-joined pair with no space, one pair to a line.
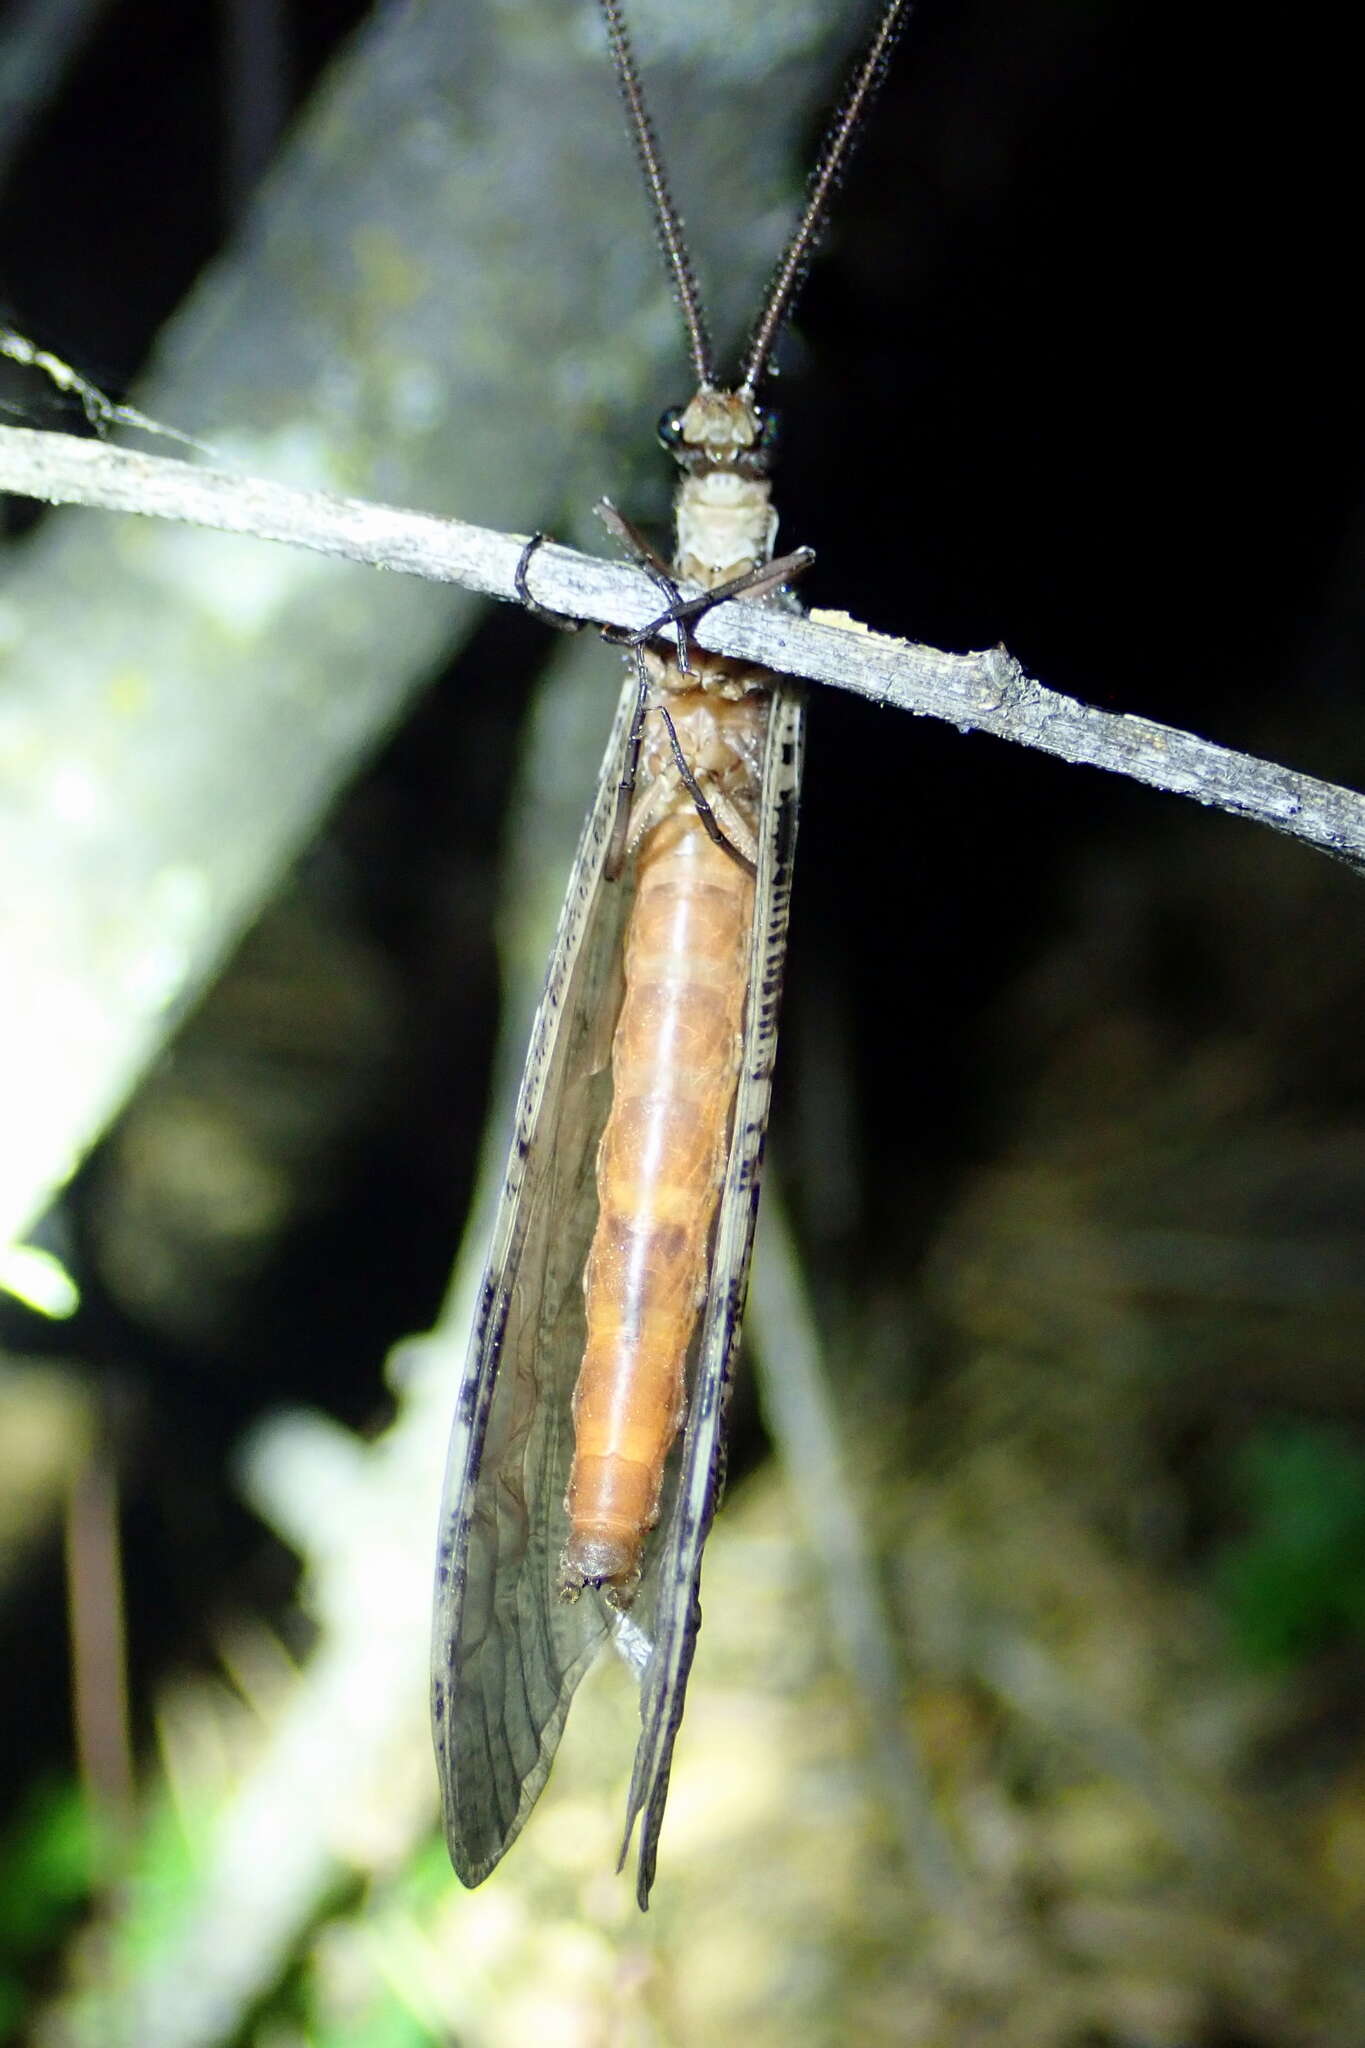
795,261
666,216
834,158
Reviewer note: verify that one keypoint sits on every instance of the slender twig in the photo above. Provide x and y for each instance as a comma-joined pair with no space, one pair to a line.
99,1659
986,691
796,1390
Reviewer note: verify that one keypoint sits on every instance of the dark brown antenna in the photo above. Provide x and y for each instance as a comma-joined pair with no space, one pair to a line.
833,162
791,270
666,216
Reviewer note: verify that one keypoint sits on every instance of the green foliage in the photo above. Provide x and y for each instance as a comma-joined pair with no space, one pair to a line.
160,1883
1294,1582
46,1860
385,2024
54,1864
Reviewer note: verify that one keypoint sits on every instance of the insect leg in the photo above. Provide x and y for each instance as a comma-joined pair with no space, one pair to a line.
703,809
756,582
558,620
631,538
654,566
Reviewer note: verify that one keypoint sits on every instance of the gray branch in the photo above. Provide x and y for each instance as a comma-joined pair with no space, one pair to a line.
981,692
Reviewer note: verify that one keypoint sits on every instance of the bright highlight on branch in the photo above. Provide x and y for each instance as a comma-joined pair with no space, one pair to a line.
40,1281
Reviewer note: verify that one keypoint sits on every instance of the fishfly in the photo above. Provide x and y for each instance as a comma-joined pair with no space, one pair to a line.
587,1452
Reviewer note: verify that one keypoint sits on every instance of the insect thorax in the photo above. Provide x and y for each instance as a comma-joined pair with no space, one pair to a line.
724,516
725,524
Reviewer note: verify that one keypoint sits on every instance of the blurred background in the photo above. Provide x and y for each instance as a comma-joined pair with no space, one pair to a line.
1028,1709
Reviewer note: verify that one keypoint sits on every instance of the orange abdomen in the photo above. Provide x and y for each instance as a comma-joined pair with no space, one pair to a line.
659,1168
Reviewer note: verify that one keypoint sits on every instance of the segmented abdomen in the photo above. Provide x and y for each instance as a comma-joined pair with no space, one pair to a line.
661,1160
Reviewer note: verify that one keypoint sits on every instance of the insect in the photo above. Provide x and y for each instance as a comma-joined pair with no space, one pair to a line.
587,1452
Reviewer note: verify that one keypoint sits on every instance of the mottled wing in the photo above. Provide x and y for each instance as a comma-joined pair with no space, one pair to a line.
507,1649
668,1610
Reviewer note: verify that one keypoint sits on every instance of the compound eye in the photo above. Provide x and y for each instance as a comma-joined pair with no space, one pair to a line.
769,429
671,428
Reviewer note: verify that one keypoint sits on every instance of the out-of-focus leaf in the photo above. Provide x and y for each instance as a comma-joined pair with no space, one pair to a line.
1295,1582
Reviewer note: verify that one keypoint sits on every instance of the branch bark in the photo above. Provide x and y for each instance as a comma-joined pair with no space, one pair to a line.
986,691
